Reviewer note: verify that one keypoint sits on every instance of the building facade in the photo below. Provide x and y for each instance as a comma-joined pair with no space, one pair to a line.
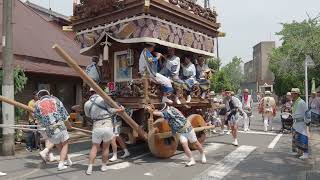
258,77
33,37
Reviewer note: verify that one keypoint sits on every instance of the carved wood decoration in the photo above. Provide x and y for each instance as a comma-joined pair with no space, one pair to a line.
92,8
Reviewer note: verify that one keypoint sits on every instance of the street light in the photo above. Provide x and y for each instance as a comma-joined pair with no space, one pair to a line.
307,62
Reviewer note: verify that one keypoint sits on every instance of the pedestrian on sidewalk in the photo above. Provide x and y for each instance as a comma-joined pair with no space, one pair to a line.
315,107
31,135
300,133
181,126
101,114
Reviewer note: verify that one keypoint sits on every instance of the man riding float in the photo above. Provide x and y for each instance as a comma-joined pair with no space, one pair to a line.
171,69
267,107
52,115
203,72
179,124
101,114
149,63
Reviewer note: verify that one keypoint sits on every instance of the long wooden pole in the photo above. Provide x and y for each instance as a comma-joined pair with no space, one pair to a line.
73,64
30,109
17,104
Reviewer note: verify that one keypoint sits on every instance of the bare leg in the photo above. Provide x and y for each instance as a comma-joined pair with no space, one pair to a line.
92,157
93,153
114,149
123,146
188,153
234,130
105,155
63,148
200,149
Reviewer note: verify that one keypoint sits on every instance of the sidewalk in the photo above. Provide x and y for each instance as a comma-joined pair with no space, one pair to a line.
314,144
75,136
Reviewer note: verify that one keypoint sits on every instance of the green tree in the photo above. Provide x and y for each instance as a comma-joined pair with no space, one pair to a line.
20,79
214,63
229,77
287,61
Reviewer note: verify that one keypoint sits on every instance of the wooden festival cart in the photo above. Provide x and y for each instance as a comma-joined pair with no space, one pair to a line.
116,30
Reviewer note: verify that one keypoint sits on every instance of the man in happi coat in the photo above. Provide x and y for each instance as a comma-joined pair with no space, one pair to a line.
52,115
267,107
101,115
181,126
171,70
149,63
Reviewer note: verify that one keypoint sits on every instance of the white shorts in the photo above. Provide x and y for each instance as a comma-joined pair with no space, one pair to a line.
60,137
104,134
190,136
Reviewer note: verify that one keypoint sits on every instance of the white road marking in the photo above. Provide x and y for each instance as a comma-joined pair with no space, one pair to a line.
209,148
274,141
222,168
258,132
119,166
148,174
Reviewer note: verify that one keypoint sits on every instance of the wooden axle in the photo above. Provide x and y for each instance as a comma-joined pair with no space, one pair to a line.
169,134
73,64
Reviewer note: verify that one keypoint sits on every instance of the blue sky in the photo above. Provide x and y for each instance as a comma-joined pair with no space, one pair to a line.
246,22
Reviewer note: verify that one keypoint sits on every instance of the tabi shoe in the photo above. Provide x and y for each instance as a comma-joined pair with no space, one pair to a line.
235,142
51,157
69,162
3,174
228,132
126,154
192,162
188,98
165,99
61,166
203,95
43,155
203,158
113,158
177,100
221,133
104,168
89,170
304,156
214,131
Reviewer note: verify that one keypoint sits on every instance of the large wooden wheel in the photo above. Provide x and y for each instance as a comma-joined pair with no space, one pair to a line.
197,120
162,147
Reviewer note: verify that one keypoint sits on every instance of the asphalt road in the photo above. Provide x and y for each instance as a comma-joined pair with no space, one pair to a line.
259,156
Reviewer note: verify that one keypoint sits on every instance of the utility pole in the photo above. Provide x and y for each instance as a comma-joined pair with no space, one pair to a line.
7,84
